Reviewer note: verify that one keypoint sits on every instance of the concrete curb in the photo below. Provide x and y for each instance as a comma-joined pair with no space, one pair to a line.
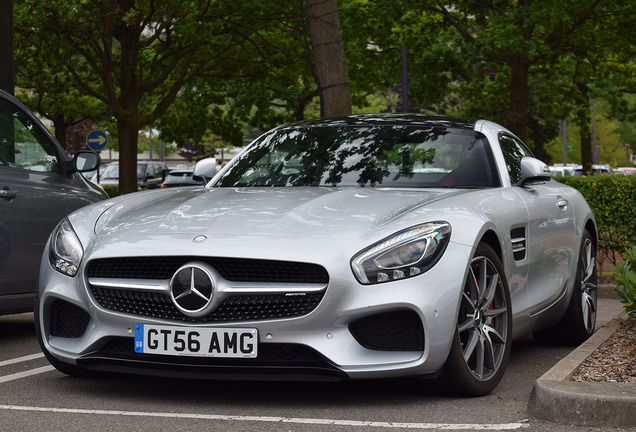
598,404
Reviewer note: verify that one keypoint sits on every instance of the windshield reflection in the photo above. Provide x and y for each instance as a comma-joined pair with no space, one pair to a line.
368,155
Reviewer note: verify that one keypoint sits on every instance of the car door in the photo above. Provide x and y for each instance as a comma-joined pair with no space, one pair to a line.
34,196
549,234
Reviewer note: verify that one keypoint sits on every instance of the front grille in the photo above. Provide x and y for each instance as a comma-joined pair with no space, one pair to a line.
232,269
67,320
237,308
390,331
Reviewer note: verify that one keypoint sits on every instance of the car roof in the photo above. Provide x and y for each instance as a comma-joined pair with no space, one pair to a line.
387,119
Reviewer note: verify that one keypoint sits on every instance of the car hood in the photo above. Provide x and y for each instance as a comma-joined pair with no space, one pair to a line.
282,212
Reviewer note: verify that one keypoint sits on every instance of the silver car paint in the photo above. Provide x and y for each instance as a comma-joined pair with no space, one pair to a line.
326,226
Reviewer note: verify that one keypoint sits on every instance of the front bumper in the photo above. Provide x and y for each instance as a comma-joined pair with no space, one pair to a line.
401,328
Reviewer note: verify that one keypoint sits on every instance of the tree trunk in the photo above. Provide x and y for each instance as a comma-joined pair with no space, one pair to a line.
59,126
127,136
519,96
583,120
330,61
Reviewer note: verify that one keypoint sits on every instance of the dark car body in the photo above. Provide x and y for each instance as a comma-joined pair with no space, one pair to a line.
39,185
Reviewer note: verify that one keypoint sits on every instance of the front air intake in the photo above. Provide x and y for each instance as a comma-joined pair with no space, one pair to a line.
68,320
390,331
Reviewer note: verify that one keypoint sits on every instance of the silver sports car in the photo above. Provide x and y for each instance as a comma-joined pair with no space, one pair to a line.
360,247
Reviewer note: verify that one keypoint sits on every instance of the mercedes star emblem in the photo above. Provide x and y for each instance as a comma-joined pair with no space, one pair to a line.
192,290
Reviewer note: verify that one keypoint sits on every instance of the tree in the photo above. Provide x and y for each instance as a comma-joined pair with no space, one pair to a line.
135,56
525,64
43,84
330,62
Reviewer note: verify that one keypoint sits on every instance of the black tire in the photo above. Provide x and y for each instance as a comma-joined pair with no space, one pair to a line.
481,346
61,366
578,323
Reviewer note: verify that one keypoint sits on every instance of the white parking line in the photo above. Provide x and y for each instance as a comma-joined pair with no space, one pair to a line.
330,422
21,359
15,376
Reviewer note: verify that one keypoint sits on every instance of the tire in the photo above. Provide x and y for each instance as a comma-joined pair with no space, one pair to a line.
483,336
578,323
61,366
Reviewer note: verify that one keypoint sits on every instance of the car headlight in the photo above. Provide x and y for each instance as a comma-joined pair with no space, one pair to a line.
66,250
405,254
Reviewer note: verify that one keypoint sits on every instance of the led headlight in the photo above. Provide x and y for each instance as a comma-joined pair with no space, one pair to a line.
66,251
403,255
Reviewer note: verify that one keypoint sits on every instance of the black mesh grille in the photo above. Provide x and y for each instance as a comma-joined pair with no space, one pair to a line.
237,308
390,331
243,307
232,269
68,320
291,355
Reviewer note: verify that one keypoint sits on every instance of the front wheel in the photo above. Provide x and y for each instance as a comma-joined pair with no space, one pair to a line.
481,344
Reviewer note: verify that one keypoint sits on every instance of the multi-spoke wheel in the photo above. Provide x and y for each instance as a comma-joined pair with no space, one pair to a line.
580,318
481,346
587,284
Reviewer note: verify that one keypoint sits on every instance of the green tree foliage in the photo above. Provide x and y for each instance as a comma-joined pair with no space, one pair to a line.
201,70
525,64
44,84
136,56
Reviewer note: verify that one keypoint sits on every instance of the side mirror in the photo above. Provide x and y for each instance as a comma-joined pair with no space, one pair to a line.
85,161
533,170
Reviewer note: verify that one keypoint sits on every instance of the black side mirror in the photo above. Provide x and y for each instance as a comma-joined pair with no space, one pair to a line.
85,161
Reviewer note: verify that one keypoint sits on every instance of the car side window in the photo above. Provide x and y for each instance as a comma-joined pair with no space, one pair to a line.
22,144
513,151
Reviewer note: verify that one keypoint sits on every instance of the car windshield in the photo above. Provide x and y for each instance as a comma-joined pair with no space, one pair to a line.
111,172
369,155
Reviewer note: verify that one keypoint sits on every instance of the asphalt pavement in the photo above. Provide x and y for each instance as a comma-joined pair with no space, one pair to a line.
599,404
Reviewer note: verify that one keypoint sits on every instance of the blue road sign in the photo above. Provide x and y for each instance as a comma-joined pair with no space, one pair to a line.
96,139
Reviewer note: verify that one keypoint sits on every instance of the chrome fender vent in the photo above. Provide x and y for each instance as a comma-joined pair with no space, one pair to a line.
518,243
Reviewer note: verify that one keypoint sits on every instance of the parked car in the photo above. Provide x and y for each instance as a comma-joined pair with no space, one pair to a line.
562,170
370,246
39,185
150,174
596,170
92,175
182,177
626,170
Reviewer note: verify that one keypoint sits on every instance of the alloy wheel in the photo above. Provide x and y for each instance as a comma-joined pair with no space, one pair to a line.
483,319
588,288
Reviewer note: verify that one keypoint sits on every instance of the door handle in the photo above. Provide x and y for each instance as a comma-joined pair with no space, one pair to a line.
7,193
562,203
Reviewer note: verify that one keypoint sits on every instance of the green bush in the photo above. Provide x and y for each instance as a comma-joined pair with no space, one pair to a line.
112,191
613,202
625,276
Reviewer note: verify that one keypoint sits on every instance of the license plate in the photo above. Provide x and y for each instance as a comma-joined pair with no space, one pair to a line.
199,341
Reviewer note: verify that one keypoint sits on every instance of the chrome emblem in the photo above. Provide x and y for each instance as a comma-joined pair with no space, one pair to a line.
199,239
192,290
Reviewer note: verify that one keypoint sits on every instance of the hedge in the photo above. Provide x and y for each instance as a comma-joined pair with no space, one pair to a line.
613,201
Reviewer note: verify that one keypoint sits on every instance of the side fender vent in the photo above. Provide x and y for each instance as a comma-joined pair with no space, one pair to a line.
518,240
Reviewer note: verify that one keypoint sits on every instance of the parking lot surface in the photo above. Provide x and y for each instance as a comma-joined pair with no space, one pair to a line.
34,396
